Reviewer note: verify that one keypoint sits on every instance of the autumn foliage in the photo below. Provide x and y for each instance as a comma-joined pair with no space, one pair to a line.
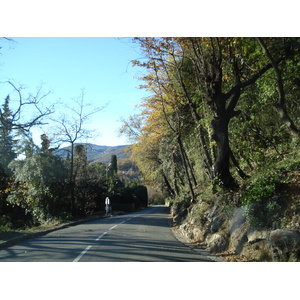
218,109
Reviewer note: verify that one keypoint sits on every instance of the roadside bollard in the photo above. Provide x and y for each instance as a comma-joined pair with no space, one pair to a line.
107,207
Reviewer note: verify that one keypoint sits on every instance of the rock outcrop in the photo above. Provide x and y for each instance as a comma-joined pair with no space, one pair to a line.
285,244
233,234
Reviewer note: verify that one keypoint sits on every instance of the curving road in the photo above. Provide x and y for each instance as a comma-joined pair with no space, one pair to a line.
143,236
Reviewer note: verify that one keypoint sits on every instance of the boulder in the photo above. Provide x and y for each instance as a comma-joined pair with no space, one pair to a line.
217,243
255,236
211,213
285,245
198,234
216,223
180,216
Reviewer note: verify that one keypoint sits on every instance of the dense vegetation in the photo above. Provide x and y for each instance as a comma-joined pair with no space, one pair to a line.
37,189
223,118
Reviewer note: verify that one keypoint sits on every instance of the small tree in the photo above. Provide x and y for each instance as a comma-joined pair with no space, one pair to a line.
39,185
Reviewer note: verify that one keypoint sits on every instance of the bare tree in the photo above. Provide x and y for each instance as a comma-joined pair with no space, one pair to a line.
30,105
71,130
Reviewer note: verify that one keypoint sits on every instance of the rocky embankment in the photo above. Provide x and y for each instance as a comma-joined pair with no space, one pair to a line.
230,236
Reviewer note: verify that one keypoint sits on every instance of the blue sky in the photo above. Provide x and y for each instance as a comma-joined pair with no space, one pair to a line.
99,65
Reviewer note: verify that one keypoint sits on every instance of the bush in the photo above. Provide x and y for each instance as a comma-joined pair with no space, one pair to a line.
5,223
141,194
264,188
262,207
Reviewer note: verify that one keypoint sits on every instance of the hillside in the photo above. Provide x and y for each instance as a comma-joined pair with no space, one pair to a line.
260,222
96,153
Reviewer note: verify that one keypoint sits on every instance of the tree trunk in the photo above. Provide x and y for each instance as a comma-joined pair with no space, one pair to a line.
176,188
185,167
190,167
201,134
168,185
72,181
242,174
280,106
287,120
221,171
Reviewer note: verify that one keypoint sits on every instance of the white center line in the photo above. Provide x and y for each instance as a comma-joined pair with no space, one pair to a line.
88,248
100,236
97,239
82,253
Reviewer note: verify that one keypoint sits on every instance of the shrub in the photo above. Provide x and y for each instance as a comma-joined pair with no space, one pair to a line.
5,223
262,207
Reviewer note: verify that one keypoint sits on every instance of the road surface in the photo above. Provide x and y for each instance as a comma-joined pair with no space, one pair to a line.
143,236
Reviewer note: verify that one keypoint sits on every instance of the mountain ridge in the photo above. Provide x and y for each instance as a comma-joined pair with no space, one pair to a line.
98,153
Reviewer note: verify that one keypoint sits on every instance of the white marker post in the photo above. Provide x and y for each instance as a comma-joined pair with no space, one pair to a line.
107,202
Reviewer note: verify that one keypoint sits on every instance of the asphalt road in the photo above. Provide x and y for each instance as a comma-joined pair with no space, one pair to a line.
144,236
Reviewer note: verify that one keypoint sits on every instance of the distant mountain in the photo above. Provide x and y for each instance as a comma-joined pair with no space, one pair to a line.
96,153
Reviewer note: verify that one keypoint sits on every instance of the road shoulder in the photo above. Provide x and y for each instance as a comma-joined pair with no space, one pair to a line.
203,253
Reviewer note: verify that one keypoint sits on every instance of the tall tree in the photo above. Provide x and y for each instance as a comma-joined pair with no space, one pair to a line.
214,72
71,130
80,162
146,132
29,110
80,177
281,104
7,153
113,166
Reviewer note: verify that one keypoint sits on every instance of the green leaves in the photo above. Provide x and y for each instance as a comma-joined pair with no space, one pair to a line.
38,185
261,190
262,207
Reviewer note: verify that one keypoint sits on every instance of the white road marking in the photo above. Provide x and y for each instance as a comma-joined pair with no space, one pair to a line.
82,253
113,227
88,248
100,236
97,239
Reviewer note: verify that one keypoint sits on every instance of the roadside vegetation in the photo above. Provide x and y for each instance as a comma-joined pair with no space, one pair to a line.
41,187
222,122
37,190
221,126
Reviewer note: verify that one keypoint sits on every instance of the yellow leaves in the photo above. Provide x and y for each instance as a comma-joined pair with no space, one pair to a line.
17,193
213,144
7,190
226,77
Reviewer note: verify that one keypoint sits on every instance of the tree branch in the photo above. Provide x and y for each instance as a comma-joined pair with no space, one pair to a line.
280,106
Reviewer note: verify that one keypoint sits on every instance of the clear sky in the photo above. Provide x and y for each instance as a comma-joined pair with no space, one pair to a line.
99,65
